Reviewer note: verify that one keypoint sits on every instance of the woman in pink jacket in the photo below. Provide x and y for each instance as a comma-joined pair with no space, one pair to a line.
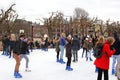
103,62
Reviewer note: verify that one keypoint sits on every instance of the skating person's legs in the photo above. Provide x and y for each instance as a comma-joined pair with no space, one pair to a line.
16,72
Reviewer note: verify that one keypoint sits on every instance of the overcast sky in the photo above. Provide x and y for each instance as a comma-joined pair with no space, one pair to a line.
32,10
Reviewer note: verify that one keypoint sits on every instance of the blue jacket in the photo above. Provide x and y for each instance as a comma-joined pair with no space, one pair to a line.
62,41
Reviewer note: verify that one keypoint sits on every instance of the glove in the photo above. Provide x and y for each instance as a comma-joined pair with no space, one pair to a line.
112,48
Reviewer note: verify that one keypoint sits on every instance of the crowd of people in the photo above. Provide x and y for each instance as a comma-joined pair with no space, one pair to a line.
20,47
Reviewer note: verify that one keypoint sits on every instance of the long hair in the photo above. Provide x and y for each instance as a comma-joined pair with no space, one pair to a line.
100,40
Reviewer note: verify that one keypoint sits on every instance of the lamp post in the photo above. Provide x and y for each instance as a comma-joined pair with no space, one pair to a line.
32,30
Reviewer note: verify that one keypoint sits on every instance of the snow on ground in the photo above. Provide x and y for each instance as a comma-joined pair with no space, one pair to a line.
43,66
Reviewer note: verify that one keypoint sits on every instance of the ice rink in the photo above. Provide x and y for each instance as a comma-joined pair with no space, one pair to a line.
43,66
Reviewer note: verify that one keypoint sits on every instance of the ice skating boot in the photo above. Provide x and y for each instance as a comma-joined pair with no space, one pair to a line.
61,61
57,60
96,69
17,75
91,59
28,70
69,68
86,58
113,71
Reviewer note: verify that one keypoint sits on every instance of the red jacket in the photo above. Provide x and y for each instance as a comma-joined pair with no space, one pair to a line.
104,61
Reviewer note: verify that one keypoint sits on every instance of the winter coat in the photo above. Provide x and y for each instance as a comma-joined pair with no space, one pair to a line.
16,47
68,49
89,45
23,47
57,46
116,45
62,41
85,43
75,44
104,61
117,69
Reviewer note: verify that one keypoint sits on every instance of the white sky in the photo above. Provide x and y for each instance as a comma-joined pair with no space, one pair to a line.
35,9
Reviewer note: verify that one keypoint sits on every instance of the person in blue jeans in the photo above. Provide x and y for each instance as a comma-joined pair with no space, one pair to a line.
62,46
115,56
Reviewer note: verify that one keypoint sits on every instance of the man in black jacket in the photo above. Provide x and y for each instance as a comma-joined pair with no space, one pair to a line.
75,47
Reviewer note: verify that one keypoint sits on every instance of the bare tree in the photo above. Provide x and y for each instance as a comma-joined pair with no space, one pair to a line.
81,20
80,13
7,18
5,14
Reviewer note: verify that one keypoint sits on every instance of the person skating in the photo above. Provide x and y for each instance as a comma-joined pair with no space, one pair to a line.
69,54
100,41
75,47
62,46
16,55
116,56
57,49
103,62
24,52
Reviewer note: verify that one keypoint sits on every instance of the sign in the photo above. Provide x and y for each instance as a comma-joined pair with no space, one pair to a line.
21,31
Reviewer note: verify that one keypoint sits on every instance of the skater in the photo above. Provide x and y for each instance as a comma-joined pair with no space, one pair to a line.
100,41
75,47
62,46
12,41
84,47
24,52
115,56
103,62
69,54
57,49
117,70
16,55
89,44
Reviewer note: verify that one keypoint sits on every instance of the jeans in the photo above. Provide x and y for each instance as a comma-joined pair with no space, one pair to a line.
115,59
26,58
62,51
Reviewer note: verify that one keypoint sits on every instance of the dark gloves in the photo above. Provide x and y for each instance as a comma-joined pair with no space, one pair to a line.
112,48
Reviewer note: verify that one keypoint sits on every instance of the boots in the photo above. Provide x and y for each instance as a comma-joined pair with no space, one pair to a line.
69,68
113,71
91,59
96,69
17,75
57,60
61,61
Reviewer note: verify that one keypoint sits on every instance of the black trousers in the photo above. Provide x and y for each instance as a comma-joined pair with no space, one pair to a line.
68,61
57,55
100,71
84,49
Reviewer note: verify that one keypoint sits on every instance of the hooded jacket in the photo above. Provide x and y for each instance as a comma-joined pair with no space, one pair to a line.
104,61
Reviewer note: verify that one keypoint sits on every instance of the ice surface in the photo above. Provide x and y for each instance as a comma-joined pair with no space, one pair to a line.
43,66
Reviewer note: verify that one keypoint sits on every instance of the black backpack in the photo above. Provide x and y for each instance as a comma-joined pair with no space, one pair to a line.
97,52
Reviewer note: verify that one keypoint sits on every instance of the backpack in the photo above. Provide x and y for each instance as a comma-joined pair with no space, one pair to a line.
97,52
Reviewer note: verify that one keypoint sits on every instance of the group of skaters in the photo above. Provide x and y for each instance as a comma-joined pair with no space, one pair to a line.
111,48
70,44
19,46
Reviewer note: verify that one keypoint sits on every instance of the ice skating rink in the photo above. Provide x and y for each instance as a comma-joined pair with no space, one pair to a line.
43,66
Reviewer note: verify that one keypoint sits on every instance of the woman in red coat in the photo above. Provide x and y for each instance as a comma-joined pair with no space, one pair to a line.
103,63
